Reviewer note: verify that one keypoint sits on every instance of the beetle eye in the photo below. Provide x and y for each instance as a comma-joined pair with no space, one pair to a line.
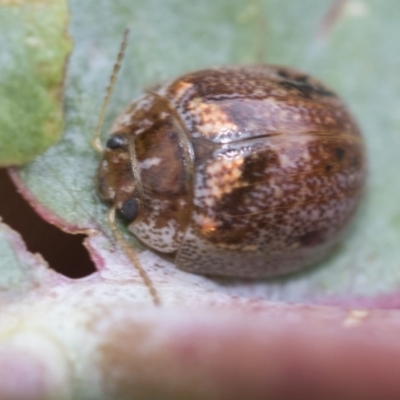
129,209
116,141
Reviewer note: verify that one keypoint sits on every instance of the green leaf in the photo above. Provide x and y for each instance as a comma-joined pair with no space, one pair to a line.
34,47
357,53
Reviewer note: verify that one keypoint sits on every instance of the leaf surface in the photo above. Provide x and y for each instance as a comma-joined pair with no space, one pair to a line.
34,48
351,47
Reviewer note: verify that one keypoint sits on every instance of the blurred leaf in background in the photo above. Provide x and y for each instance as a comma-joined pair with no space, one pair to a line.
34,48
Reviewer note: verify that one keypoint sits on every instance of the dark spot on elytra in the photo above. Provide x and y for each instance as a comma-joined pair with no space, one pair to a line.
306,88
301,78
254,167
237,202
328,168
340,153
292,78
282,73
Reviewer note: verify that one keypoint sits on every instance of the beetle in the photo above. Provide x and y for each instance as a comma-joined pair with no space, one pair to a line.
246,171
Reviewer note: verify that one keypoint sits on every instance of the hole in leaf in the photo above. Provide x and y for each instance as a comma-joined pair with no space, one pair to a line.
64,252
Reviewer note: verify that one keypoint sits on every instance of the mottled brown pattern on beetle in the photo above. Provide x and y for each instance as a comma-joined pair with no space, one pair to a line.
266,186
260,91
246,171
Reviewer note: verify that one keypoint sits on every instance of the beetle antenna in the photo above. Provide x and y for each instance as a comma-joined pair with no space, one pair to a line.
110,88
131,254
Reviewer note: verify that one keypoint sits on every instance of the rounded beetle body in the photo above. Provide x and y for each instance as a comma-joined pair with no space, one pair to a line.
249,171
